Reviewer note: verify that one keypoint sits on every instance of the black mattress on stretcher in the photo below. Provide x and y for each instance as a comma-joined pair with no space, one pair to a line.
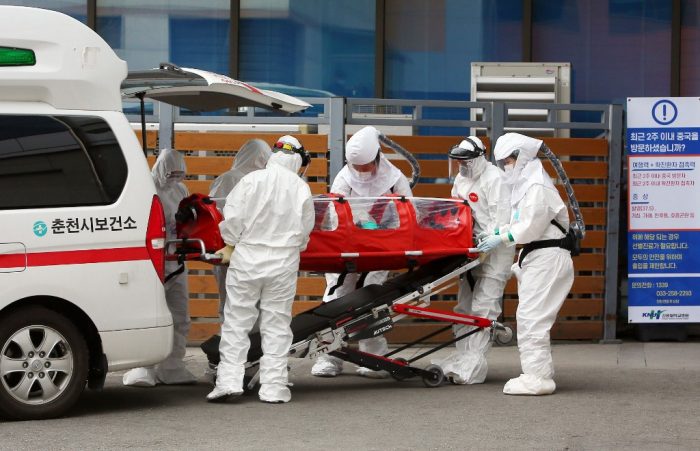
352,305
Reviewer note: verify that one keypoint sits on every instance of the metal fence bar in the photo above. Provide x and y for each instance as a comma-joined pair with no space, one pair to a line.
612,236
498,122
271,120
417,123
336,137
166,126
351,102
602,108
415,117
558,125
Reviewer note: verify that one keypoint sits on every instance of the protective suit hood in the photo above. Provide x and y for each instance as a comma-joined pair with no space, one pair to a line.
253,155
289,139
287,161
528,169
510,142
169,168
362,148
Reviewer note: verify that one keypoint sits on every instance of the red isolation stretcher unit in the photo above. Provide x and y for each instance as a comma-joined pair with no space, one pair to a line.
384,233
432,238
354,234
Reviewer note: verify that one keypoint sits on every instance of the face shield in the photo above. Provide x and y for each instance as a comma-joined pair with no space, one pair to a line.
464,157
290,149
461,167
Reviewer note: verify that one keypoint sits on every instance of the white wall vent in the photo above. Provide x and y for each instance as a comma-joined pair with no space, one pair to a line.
522,82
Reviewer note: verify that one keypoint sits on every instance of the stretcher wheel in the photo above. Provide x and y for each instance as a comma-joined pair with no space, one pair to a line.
504,337
433,376
396,375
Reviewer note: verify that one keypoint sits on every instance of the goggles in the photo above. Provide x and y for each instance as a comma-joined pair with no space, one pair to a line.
290,149
177,175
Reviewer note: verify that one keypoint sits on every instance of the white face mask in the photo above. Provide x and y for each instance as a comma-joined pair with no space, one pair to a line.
364,176
508,169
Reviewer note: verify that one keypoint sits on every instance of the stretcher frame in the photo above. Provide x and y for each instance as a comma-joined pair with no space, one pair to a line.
334,341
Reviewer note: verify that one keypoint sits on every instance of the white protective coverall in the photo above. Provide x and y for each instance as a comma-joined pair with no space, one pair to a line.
268,218
362,148
488,200
168,173
252,156
547,274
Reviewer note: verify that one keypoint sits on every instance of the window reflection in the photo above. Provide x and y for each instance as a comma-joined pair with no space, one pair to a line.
186,33
618,48
77,9
690,47
317,44
430,45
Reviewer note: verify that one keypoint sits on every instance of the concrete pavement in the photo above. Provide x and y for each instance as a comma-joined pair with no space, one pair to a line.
625,396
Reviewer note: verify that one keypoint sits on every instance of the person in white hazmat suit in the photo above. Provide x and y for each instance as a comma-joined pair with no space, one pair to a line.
168,173
268,218
252,156
544,271
367,174
478,182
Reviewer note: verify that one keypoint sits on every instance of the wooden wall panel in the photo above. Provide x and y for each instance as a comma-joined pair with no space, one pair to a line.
579,318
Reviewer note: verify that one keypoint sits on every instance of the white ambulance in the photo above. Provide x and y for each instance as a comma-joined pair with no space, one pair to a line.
81,229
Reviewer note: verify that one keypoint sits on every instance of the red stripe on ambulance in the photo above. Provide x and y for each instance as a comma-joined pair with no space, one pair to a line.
121,254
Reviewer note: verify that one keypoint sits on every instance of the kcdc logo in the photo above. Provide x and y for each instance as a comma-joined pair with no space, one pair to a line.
654,314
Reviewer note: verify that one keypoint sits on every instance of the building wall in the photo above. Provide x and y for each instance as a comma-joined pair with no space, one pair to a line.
618,48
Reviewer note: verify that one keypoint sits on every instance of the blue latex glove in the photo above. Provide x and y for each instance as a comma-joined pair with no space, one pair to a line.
490,243
481,235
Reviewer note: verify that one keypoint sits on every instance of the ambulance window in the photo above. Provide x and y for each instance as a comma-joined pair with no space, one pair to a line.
59,161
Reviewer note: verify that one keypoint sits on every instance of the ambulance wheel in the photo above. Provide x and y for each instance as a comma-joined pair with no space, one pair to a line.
504,337
433,376
398,376
43,364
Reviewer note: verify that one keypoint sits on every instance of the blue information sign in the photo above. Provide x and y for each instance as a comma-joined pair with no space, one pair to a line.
663,152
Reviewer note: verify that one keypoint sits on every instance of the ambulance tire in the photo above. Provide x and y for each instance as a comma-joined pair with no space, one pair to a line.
26,362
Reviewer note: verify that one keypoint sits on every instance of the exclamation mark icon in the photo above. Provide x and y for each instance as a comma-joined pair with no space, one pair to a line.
663,111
